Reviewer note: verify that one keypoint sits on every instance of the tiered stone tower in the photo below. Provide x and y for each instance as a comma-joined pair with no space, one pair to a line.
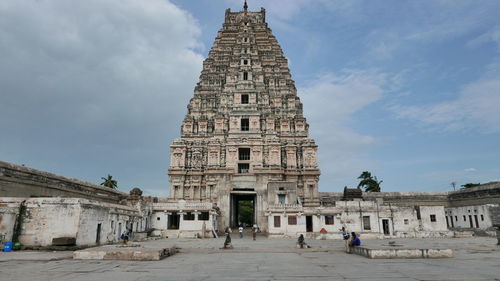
244,136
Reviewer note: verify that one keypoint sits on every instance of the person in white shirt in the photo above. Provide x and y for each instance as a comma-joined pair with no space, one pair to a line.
240,230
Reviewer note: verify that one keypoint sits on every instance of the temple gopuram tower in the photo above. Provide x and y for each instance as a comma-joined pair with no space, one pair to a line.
244,137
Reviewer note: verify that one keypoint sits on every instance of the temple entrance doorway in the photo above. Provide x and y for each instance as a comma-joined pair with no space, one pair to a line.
242,209
173,221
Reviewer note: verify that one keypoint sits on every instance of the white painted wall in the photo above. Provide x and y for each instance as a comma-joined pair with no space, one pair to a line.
461,219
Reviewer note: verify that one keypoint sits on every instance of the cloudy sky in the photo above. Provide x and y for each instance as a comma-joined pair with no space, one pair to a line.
409,90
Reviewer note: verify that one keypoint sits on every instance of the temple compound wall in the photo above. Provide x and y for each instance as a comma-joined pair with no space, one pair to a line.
37,207
471,208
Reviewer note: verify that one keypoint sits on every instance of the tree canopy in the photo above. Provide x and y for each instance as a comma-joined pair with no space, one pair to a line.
110,182
368,182
469,185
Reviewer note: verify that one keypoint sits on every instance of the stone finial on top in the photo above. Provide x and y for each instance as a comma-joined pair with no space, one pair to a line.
245,6
136,192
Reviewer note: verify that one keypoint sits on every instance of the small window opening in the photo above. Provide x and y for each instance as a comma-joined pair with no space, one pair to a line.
366,223
203,216
328,220
243,168
433,218
245,62
244,153
245,75
407,222
245,124
281,198
277,221
189,216
157,218
482,218
244,99
281,188
292,220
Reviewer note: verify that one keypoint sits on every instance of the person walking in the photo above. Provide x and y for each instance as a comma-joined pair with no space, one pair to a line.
254,231
240,230
345,237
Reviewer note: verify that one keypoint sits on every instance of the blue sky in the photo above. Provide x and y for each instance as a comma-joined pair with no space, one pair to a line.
409,90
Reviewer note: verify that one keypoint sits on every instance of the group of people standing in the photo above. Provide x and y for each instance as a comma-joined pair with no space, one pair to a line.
350,240
255,229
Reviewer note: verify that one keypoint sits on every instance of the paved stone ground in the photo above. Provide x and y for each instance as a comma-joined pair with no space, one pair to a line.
270,259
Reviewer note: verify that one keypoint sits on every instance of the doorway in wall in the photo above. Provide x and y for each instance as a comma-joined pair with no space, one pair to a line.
98,234
385,227
309,223
173,221
242,209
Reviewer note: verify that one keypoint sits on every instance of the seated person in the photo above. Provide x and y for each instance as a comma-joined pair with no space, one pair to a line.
355,240
301,242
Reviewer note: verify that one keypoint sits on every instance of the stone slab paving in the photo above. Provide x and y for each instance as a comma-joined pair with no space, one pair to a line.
268,259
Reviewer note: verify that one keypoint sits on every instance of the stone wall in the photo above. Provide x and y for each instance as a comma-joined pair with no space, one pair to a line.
44,219
364,217
488,193
20,181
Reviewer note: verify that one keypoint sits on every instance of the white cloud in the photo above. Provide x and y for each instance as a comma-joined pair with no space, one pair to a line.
98,81
475,108
470,170
330,103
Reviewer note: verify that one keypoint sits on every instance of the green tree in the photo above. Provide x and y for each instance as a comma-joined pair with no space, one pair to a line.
368,182
469,185
110,182
245,212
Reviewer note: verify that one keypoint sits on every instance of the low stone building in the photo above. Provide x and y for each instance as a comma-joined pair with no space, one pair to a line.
471,208
37,207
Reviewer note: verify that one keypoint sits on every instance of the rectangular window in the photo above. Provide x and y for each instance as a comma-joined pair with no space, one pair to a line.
244,99
465,219
157,218
456,218
245,75
243,168
433,218
277,221
366,223
407,221
203,216
329,220
282,198
245,124
244,153
482,218
189,216
292,220
245,62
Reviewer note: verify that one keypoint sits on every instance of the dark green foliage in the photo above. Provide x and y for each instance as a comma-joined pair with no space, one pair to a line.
245,212
469,185
110,182
368,182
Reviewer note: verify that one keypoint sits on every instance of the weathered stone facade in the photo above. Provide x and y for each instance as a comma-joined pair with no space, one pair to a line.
244,130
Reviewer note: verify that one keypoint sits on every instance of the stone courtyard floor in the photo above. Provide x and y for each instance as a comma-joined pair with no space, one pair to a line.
264,259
